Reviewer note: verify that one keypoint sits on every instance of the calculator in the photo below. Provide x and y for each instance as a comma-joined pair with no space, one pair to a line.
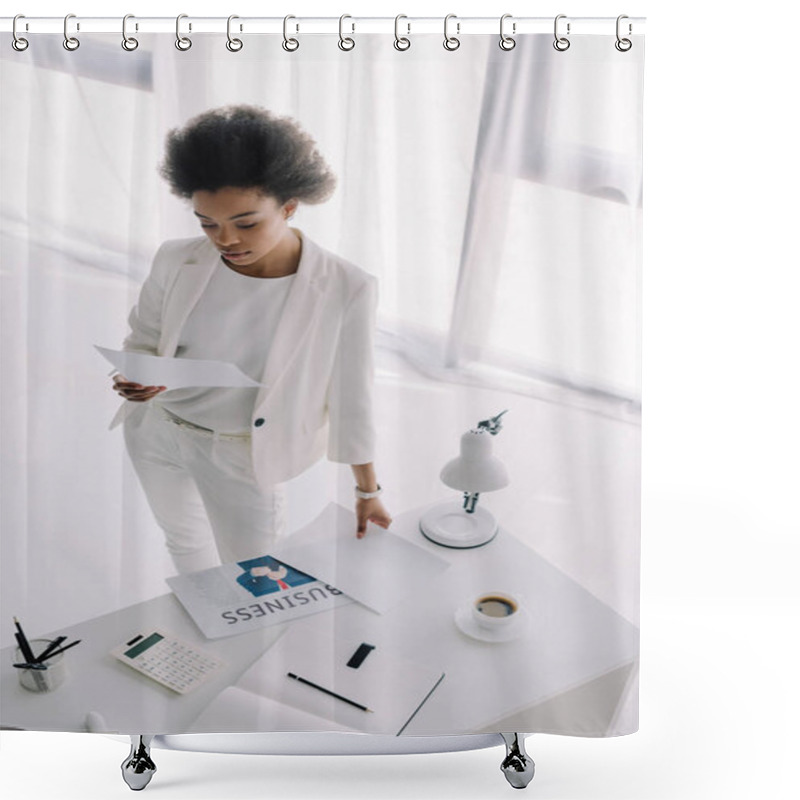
176,664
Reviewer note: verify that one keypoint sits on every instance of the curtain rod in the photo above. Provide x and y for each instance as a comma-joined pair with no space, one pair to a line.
327,25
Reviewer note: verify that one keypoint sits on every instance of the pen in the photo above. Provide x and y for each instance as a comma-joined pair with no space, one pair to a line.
27,654
328,691
62,649
23,643
30,666
24,648
49,649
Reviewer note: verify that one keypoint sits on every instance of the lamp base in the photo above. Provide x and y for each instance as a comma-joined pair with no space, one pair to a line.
449,525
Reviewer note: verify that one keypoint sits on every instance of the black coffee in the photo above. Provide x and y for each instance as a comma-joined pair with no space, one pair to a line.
496,606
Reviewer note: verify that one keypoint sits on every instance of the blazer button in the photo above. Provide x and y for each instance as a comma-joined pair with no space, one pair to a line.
259,422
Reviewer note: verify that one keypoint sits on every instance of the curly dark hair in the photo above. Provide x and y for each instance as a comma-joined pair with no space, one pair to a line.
247,147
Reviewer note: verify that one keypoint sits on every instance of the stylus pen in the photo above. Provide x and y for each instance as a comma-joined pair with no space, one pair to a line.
328,691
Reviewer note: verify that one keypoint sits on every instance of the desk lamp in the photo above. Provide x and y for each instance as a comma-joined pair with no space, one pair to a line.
475,470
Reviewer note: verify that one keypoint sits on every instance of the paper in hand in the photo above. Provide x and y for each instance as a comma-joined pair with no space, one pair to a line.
174,373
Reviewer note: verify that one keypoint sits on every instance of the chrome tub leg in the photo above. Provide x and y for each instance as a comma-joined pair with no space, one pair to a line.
138,768
517,766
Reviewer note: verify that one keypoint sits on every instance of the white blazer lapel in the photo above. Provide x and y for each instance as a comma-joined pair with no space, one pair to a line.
302,305
192,278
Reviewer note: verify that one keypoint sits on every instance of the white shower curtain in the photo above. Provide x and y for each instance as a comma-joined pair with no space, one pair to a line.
496,198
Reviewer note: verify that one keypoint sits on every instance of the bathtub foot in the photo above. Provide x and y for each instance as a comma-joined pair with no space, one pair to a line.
517,766
138,768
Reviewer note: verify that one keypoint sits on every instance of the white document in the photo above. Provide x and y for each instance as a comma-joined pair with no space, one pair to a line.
236,710
378,571
352,675
174,373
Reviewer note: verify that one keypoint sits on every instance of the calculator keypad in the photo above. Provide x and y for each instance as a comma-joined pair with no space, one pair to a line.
176,664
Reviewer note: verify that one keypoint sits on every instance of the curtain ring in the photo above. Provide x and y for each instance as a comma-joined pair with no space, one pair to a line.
506,42
345,42
70,42
451,42
561,43
623,45
234,45
182,42
128,42
401,42
289,45
18,43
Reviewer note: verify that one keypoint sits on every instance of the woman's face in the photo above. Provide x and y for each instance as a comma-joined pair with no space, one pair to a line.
249,229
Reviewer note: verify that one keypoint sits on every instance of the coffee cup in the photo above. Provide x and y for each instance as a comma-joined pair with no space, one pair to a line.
493,610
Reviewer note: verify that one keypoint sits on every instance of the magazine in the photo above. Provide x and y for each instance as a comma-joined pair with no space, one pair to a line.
240,597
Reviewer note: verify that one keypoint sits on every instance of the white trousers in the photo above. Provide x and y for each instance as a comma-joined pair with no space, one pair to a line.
203,492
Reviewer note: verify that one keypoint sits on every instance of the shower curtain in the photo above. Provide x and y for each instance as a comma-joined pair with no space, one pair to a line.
429,521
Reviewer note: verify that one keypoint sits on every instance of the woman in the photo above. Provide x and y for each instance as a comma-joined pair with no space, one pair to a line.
256,292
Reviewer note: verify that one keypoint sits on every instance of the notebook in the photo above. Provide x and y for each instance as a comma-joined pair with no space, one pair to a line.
346,672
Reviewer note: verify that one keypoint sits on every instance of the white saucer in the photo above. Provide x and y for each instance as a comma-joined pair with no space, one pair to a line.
506,633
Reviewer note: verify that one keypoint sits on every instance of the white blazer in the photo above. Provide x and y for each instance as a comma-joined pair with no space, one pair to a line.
317,392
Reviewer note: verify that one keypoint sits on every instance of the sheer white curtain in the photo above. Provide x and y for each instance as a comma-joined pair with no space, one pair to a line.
548,282
77,233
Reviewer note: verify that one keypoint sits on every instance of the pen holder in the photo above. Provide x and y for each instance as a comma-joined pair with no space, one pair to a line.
42,680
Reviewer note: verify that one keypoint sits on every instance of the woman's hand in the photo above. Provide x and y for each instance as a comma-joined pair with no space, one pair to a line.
371,511
135,391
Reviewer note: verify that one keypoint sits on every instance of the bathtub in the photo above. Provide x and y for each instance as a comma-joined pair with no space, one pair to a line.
138,768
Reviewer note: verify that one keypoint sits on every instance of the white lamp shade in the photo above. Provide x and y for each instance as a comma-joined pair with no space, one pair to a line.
476,469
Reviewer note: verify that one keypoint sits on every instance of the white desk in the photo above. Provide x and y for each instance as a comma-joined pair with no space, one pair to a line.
128,701
573,640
